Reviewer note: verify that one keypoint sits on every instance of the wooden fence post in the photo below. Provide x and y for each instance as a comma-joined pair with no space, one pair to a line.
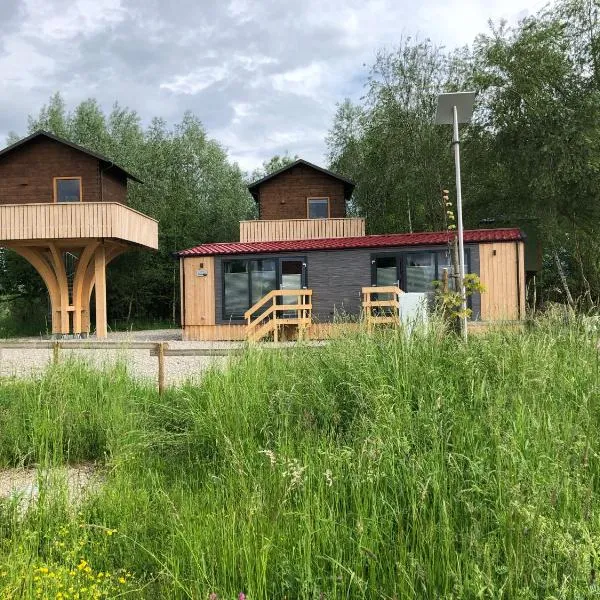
55,349
161,368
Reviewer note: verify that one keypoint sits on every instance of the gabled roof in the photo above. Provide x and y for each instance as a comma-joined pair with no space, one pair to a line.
51,136
391,240
348,184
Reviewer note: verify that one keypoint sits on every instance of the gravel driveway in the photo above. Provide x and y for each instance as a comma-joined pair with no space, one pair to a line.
23,362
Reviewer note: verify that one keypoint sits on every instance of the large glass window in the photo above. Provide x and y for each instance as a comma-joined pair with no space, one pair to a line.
420,271
416,271
236,289
67,189
263,276
318,208
245,282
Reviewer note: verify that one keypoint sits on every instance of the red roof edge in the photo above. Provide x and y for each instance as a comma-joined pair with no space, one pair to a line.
390,240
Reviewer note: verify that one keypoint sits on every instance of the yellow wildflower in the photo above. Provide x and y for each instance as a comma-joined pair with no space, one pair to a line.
122,580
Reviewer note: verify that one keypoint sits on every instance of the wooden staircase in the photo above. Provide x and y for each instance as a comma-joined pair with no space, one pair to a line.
381,305
269,315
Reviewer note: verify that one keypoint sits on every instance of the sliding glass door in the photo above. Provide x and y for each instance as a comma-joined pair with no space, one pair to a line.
246,281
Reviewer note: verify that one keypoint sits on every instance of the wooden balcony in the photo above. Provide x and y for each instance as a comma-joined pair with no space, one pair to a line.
82,220
300,229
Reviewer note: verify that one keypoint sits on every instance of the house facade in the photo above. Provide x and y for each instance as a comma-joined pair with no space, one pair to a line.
314,265
64,209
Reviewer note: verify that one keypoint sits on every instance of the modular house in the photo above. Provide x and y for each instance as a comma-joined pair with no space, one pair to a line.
64,209
303,264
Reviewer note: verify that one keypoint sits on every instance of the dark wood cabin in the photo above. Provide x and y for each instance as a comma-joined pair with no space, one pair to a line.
43,168
302,191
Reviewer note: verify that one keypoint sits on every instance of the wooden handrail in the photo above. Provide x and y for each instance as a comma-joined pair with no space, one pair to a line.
268,321
274,294
393,303
384,289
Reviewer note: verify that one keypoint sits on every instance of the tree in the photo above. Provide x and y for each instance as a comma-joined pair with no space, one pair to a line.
275,163
389,144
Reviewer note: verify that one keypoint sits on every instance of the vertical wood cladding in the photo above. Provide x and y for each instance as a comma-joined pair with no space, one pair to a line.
284,196
27,174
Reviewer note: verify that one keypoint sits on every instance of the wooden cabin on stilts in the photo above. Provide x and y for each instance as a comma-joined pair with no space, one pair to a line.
64,209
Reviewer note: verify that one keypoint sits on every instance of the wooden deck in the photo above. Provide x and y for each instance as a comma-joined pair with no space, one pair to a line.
63,223
300,229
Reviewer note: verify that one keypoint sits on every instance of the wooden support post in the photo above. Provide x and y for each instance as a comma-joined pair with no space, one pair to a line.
161,367
63,286
100,280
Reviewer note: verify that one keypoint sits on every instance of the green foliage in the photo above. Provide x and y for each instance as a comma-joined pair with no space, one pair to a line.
389,144
196,194
532,153
449,301
399,467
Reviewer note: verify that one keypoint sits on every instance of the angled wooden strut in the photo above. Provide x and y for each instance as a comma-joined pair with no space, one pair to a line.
48,260
37,260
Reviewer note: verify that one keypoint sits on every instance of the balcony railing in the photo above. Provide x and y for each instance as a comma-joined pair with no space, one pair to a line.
77,220
300,229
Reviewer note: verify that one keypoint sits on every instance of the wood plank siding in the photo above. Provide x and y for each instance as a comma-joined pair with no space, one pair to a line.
198,298
214,333
284,196
300,229
70,221
502,272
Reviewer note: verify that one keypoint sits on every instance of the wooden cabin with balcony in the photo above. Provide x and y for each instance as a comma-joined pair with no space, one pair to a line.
64,209
303,263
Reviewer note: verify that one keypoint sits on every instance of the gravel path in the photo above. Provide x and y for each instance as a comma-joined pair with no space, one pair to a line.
21,363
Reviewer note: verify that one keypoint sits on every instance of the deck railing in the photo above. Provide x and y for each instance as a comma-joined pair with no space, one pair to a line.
300,229
381,305
76,220
278,308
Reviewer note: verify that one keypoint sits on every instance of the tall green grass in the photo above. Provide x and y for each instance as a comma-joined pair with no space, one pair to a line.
374,467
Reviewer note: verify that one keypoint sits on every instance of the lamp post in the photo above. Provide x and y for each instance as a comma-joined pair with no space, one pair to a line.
455,108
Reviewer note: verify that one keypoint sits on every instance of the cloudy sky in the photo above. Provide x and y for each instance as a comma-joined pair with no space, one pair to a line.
263,76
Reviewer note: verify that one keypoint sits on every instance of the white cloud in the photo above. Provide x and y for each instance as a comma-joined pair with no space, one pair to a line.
304,81
195,82
263,77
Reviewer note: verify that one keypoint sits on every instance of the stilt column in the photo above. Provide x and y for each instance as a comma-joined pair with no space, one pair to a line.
100,283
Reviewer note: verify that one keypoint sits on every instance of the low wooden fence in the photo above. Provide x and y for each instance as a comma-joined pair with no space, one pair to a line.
158,349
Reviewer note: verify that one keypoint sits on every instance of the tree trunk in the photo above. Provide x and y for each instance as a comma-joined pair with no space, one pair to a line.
563,278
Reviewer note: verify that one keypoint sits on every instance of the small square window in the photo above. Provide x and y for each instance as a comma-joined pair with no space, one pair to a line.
318,208
67,189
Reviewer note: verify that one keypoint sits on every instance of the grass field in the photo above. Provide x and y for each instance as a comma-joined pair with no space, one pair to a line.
375,467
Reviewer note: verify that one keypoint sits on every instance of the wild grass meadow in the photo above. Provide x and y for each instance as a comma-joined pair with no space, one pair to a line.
380,467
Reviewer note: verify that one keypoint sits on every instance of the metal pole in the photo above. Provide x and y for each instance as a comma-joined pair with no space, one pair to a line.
461,249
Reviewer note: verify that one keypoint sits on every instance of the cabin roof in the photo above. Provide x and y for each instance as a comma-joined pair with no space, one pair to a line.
51,136
390,240
348,184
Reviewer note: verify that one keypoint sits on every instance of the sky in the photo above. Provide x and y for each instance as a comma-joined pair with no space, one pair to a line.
264,77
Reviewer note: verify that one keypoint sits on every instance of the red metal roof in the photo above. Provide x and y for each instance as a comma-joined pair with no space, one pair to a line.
390,240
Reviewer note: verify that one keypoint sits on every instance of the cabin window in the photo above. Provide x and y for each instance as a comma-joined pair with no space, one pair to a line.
416,271
420,271
245,282
67,189
318,208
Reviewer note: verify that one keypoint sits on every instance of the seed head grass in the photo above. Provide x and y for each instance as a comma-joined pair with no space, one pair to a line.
380,466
